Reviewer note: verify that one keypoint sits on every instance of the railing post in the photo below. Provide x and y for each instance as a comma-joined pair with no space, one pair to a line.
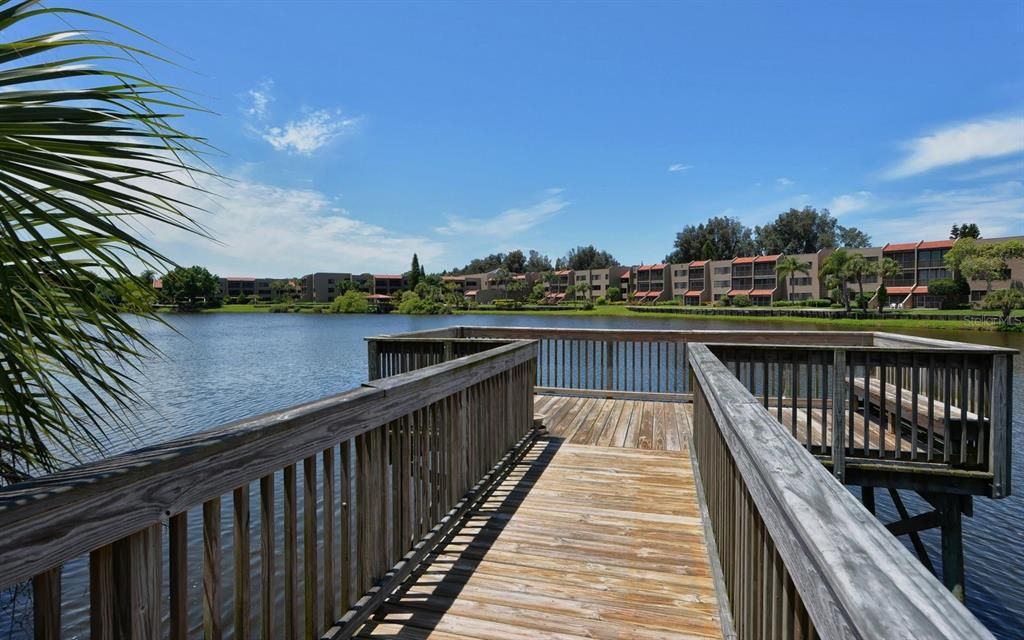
449,350
999,442
838,414
609,353
372,360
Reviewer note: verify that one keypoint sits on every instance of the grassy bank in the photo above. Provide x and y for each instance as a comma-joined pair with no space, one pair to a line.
622,311
845,323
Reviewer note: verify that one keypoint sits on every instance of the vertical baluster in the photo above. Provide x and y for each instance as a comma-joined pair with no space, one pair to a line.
267,561
883,404
915,382
347,573
329,593
211,570
291,557
177,563
46,605
240,502
898,378
963,407
931,406
866,409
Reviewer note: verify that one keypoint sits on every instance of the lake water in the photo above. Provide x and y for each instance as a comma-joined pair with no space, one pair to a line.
217,368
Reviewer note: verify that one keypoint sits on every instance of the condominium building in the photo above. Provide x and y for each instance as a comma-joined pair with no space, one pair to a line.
249,287
697,282
680,276
599,280
808,284
652,282
556,288
388,284
322,287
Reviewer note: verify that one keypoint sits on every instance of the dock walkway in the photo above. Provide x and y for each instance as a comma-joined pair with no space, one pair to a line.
594,533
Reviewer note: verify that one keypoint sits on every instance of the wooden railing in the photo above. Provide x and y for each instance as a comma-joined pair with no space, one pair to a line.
800,556
323,509
938,405
635,362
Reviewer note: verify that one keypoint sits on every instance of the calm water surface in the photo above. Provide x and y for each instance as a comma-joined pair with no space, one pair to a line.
222,367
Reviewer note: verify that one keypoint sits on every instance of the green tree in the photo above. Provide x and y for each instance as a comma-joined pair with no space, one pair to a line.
968,230
588,257
352,301
805,230
952,291
190,287
853,238
836,266
88,156
887,268
515,261
282,290
614,294
414,273
719,238
537,293
1005,300
857,268
537,262
789,266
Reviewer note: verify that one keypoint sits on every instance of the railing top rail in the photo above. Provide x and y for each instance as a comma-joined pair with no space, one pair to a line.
956,349
97,503
855,579
886,339
833,339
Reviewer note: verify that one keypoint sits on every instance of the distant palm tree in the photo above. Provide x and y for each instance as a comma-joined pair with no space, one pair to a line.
887,268
789,266
836,266
88,155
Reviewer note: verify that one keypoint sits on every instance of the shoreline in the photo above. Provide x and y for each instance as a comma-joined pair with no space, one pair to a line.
620,311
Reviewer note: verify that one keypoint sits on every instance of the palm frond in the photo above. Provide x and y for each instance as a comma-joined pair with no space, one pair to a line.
88,154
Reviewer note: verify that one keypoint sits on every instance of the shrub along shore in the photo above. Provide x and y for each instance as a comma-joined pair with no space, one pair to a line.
921,319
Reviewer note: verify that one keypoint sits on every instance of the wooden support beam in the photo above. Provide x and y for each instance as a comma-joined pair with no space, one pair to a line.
952,548
915,539
913,524
867,496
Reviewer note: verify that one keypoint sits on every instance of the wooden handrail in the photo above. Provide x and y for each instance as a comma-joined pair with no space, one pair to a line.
797,550
428,435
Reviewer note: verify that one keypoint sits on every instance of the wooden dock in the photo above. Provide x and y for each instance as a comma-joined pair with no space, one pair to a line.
594,533
680,484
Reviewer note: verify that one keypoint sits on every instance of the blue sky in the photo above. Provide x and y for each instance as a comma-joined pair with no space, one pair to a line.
359,133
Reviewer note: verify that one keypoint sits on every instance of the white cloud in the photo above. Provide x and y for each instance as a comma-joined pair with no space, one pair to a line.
678,168
260,99
783,182
510,221
998,209
1016,167
964,142
307,135
268,230
849,202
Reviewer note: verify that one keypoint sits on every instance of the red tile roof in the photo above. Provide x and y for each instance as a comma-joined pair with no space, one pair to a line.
651,267
744,260
692,293
558,295
739,292
937,244
387,276
773,258
921,288
563,272
454,278
898,290
699,263
903,246
762,292
158,283
624,276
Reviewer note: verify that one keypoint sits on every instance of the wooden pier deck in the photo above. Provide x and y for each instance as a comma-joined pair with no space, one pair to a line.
595,533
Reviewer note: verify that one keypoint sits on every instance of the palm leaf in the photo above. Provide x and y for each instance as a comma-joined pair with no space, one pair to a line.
88,155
